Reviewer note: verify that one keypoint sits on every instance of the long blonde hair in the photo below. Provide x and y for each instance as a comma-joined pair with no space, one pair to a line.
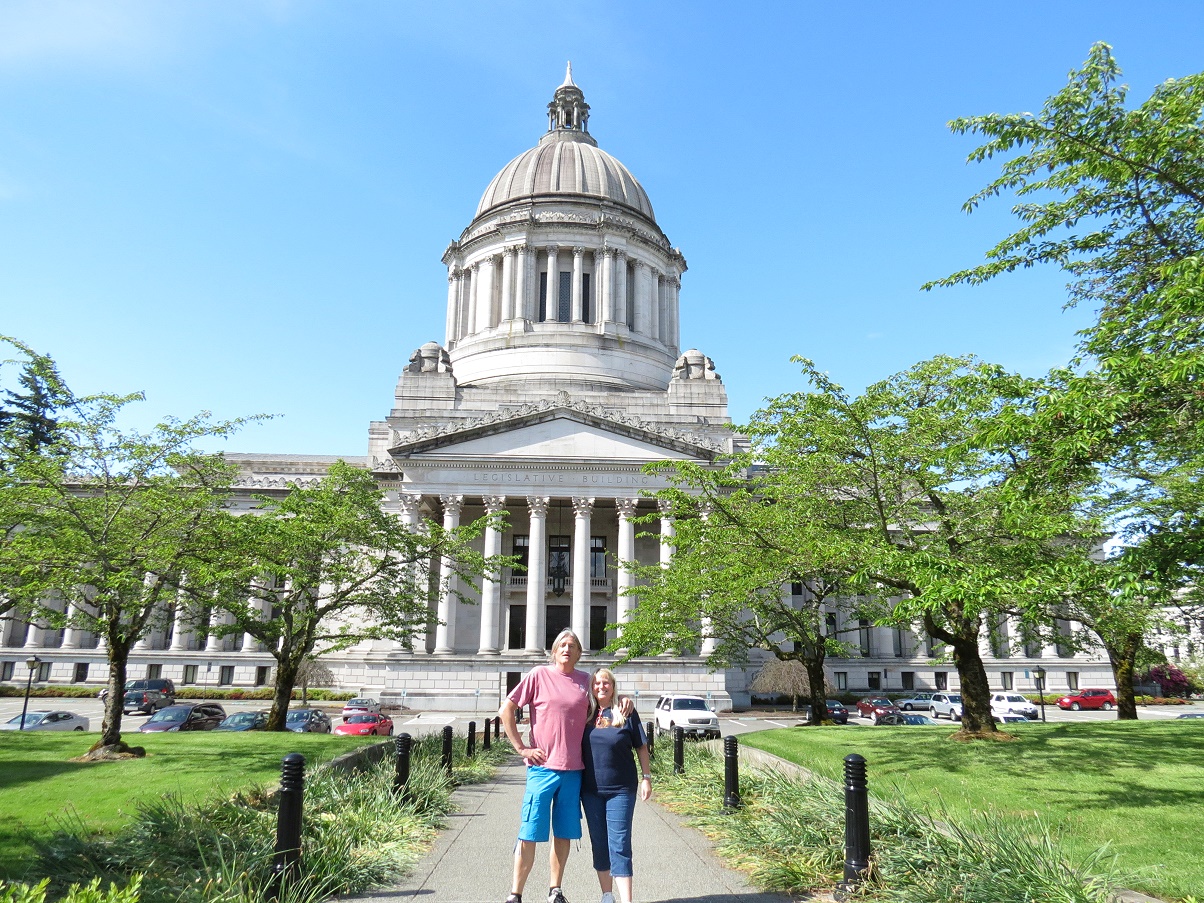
614,689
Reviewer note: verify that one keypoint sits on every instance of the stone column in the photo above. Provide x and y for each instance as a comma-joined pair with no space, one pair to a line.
654,307
181,633
603,271
582,509
537,573
508,284
577,313
453,297
486,311
445,633
71,633
249,642
674,338
214,642
522,294
623,578
410,505
472,316
620,292
491,587
667,532
553,303
643,324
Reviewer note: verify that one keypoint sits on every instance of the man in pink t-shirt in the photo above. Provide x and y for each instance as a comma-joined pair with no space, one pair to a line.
558,697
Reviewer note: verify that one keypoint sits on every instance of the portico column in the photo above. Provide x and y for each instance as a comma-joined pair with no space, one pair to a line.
181,632
537,572
71,633
553,303
624,581
654,305
577,314
522,294
620,293
582,508
603,264
445,633
642,324
486,315
410,503
508,284
673,340
249,642
491,587
667,532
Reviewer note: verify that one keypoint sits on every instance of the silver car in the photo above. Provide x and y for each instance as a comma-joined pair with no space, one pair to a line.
947,704
47,721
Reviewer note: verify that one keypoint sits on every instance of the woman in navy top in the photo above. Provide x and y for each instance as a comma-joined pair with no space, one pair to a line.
610,783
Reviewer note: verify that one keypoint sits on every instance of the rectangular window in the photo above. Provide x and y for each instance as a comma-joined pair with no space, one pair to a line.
597,558
863,630
796,588
262,672
43,672
941,680
521,550
81,673
585,309
543,297
908,679
560,562
6,670
830,624
564,311
516,633
1072,680
1005,680
597,626
154,672
898,641
189,674
842,680
875,680
225,677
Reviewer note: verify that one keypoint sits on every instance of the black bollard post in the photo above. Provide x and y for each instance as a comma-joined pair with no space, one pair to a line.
447,749
649,730
404,744
731,773
856,822
485,735
287,860
497,727
470,748
679,750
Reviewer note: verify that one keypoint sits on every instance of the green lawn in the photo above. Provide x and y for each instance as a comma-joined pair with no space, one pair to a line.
1137,787
41,789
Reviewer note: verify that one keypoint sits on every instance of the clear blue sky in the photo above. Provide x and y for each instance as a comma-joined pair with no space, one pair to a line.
241,207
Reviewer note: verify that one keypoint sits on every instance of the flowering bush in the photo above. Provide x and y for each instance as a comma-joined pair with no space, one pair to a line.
1170,680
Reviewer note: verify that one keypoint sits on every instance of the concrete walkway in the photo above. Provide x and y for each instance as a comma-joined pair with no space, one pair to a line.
472,859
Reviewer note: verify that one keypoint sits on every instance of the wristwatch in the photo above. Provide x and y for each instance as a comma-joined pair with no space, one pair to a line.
647,777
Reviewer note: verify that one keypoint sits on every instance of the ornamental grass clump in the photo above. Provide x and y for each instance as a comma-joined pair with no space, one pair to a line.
789,837
356,834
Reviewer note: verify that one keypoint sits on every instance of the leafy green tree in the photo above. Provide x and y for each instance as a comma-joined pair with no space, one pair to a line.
101,522
28,414
326,567
889,492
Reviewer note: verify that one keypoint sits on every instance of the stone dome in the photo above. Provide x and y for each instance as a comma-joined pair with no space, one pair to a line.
567,161
564,164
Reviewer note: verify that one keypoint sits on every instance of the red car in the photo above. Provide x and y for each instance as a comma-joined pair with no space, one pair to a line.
874,707
365,724
1088,699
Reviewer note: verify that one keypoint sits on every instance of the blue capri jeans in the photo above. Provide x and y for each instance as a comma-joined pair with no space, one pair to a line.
609,818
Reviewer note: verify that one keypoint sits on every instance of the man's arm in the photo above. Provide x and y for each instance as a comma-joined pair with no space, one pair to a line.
532,755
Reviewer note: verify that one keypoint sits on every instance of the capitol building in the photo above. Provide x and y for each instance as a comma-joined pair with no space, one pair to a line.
562,373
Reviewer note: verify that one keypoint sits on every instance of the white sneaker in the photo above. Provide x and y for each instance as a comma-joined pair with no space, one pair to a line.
608,897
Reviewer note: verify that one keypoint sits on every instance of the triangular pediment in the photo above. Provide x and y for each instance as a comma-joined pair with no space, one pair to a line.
557,431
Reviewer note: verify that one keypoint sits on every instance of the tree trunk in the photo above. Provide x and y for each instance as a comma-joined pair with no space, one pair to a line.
118,654
815,677
282,692
1124,663
976,689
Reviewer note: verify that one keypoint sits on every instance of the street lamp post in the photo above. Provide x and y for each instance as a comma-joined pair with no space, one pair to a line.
31,663
1039,674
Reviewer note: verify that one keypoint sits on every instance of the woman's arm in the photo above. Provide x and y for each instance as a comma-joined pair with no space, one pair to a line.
645,773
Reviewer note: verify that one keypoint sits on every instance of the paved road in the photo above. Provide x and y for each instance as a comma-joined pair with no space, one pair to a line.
418,724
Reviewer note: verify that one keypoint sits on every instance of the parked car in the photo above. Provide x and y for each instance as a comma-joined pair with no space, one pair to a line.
360,705
366,723
244,721
1088,699
947,704
47,721
837,713
313,721
147,696
690,713
201,716
1012,704
874,707
1007,717
900,719
920,701
1191,715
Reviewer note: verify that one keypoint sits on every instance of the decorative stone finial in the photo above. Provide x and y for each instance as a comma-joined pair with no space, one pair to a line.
695,365
568,110
568,76
430,358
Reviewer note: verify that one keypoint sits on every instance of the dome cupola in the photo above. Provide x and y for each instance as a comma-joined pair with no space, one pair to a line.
564,273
